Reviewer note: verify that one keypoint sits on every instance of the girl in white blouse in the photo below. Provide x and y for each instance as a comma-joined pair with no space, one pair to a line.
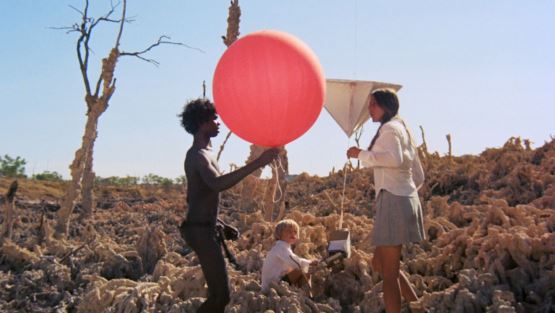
397,176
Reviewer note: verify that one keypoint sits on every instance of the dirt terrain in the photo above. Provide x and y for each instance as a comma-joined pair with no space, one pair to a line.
489,218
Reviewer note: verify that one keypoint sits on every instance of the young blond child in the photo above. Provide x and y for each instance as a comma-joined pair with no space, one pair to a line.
281,263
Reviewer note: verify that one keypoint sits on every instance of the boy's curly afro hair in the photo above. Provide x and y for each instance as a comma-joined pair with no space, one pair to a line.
195,113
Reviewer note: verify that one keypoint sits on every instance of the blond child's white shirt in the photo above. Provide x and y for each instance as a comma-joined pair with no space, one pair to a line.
279,261
395,161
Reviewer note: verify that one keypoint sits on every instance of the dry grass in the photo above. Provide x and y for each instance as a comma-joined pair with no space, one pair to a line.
490,221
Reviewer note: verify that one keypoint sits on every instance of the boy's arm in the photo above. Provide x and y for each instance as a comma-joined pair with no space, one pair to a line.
305,263
293,260
214,181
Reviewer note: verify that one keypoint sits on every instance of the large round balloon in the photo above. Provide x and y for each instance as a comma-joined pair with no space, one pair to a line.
269,88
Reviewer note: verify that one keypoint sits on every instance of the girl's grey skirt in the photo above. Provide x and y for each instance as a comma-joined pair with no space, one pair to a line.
398,220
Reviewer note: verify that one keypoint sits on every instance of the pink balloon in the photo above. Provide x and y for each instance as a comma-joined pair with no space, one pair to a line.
269,88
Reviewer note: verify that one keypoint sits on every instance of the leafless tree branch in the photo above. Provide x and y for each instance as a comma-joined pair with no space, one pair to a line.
82,40
85,29
121,24
68,29
161,41
77,10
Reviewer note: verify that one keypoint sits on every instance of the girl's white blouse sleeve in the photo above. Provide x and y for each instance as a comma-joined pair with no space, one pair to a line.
387,151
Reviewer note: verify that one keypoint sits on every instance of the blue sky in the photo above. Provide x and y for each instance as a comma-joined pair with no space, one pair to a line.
482,71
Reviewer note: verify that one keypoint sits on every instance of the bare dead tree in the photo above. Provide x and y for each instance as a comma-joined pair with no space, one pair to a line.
233,20
97,98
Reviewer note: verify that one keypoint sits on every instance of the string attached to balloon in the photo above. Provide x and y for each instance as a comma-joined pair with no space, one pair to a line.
276,165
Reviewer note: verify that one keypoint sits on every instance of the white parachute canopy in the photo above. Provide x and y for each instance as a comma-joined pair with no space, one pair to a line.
347,101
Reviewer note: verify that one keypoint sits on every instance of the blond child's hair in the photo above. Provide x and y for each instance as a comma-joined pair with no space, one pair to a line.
283,225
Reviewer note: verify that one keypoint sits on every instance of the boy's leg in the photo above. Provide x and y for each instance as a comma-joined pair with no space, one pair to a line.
214,268
297,278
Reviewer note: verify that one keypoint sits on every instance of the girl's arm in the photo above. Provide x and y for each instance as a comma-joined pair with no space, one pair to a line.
392,156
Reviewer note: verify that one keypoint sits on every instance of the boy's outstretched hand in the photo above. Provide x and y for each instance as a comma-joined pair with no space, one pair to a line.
268,156
353,152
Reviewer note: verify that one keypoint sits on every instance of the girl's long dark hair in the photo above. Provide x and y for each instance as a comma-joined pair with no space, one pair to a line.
388,101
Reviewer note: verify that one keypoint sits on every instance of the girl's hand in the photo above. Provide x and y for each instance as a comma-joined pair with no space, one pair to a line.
353,152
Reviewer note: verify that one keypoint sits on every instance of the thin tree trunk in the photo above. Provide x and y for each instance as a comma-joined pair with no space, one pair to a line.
448,137
62,224
233,20
9,213
96,106
77,171
87,183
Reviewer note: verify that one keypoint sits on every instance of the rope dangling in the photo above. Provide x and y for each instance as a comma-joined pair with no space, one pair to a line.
277,186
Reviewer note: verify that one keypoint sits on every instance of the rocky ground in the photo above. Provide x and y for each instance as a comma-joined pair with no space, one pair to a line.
490,221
